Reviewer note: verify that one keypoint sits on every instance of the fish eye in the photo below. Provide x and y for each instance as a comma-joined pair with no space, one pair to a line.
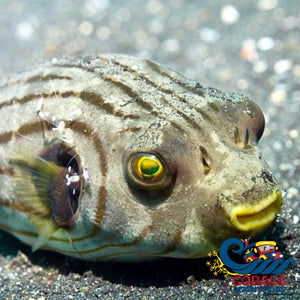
146,167
149,176
252,122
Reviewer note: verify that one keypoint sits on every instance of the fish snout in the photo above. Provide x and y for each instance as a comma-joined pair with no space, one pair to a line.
256,216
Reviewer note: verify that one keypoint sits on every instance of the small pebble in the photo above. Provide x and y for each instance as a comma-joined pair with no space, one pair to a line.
53,32
242,84
229,14
86,28
265,43
171,45
24,30
267,4
278,96
293,133
296,70
123,14
93,7
154,7
282,66
277,146
292,192
260,66
248,51
103,33
191,280
156,26
209,35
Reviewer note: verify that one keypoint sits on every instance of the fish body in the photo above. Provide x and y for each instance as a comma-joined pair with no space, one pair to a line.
116,157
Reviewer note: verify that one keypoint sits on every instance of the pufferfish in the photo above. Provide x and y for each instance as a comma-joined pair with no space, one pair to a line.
117,157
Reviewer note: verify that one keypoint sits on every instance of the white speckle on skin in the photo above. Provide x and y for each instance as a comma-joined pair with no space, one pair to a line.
39,104
75,114
221,147
86,175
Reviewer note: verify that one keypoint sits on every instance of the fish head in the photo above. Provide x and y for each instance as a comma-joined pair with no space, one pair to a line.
198,185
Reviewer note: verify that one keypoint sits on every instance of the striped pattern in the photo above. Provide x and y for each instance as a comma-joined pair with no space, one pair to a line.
129,105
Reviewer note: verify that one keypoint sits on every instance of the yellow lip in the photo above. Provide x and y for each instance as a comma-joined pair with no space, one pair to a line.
257,217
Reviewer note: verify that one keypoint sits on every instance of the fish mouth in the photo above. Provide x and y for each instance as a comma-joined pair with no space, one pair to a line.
257,217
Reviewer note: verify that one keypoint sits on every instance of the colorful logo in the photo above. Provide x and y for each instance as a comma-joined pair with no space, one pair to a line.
255,267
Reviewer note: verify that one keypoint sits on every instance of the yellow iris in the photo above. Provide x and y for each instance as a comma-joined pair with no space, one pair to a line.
148,167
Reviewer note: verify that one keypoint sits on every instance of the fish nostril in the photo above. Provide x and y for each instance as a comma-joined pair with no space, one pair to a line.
241,142
205,160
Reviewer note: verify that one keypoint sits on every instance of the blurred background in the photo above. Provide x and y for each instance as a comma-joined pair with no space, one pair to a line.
252,47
